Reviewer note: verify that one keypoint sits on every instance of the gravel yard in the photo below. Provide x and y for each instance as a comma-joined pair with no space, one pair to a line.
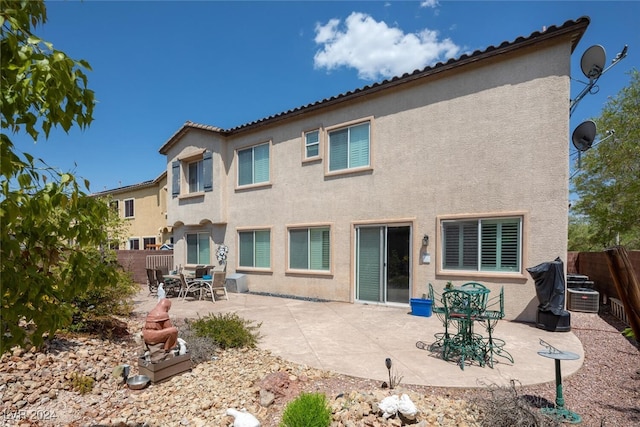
35,388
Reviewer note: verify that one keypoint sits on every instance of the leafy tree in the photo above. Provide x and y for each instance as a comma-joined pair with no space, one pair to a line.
608,184
51,229
580,235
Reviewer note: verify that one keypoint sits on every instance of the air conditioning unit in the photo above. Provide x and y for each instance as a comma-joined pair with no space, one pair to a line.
583,299
237,283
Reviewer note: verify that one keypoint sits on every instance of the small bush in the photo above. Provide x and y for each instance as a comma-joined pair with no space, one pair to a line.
81,383
505,408
228,330
307,410
202,349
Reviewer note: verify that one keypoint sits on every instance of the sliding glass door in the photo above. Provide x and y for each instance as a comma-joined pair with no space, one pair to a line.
383,264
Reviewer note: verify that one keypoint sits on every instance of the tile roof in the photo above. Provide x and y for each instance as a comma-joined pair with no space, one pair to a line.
575,29
125,188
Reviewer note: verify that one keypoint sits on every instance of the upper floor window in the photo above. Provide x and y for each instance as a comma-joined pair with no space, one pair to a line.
492,245
115,206
198,248
254,248
194,169
310,248
195,176
312,144
128,208
349,147
253,165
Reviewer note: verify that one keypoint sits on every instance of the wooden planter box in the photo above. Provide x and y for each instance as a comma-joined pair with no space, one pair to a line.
165,369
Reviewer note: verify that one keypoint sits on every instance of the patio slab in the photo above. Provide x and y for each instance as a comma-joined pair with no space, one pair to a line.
355,339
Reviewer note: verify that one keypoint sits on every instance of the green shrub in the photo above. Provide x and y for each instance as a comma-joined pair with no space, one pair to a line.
110,292
307,410
81,383
228,330
202,349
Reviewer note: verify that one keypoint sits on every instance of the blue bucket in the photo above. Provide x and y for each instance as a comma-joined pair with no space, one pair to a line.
421,307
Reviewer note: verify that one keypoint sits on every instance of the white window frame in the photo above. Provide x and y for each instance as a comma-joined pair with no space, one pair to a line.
198,186
306,145
144,244
133,239
126,210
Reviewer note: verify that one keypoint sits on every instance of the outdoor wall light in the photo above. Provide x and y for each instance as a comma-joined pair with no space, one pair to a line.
425,240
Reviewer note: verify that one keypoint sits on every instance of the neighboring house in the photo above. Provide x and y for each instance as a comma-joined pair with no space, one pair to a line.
143,206
458,172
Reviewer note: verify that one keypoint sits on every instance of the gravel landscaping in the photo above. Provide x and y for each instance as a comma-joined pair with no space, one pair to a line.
37,388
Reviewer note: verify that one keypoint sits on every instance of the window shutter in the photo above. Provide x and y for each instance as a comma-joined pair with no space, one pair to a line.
261,163
245,167
319,247
207,166
175,178
338,150
246,249
359,146
298,254
263,249
509,251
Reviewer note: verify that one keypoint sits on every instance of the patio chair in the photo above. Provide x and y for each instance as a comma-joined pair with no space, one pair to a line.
170,286
189,287
152,281
220,283
438,310
494,313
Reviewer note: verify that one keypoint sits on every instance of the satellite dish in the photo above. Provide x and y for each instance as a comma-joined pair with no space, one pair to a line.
584,135
593,60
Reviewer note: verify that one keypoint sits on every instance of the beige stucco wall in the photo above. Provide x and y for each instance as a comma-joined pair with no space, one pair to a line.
486,140
149,211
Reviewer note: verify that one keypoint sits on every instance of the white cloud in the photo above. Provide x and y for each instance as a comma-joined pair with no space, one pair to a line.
429,3
377,50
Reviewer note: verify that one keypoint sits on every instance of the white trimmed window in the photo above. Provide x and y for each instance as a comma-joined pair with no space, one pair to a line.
254,249
194,169
312,144
253,165
198,248
491,245
134,244
149,243
128,208
195,176
310,248
349,147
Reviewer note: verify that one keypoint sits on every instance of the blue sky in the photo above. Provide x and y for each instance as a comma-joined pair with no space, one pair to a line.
157,64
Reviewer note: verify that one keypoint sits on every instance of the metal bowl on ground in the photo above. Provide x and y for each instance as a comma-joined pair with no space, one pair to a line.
138,382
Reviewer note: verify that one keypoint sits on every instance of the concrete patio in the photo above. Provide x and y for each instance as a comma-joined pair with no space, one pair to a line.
355,339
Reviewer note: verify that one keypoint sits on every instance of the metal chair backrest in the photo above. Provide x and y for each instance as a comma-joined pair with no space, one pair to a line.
151,277
201,271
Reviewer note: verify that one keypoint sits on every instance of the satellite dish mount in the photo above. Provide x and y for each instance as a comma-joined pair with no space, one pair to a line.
592,64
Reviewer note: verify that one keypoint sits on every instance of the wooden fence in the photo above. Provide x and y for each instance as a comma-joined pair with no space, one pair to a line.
594,265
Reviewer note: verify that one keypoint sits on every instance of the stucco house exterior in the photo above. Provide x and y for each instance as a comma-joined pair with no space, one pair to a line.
143,206
457,172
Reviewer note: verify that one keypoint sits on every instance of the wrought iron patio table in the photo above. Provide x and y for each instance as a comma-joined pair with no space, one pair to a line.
464,306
